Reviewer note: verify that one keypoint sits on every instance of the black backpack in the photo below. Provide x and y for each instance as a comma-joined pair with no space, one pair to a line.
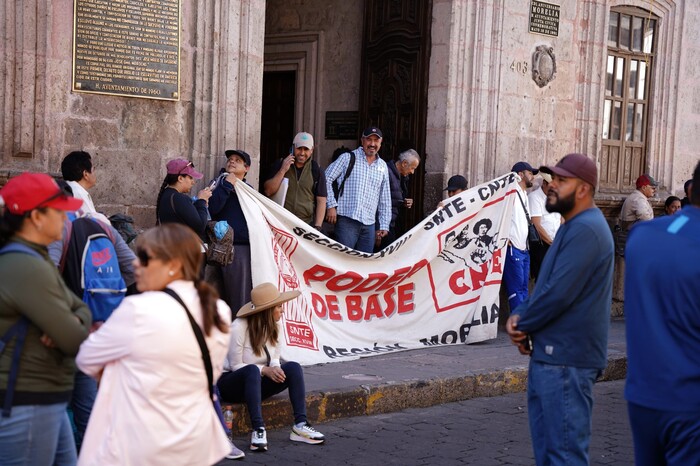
338,188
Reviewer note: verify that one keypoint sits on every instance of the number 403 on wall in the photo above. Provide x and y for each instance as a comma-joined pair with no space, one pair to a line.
521,67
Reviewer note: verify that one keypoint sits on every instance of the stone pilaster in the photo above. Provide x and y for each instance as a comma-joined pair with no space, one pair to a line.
462,108
23,50
226,95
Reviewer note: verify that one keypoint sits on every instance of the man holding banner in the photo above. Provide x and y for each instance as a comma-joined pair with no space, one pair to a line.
516,273
564,324
363,196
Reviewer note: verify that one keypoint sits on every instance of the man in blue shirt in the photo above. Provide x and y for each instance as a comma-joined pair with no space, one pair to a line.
564,324
365,196
662,313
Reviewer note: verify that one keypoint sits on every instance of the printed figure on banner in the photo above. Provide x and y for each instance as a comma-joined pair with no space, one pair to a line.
472,250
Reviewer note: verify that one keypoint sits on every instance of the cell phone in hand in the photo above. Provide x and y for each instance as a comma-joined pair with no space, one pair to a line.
527,343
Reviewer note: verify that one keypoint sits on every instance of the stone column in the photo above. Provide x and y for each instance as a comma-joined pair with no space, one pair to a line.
227,55
462,93
23,51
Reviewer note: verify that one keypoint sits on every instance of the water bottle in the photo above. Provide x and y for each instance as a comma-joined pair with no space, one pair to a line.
228,420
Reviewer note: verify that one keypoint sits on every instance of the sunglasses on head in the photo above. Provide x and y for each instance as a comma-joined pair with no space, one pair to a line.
62,192
143,257
189,164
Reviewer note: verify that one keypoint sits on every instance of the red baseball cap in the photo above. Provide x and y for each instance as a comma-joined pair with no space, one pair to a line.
30,191
644,180
183,167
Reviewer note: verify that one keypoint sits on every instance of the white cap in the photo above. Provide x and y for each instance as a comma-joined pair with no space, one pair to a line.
303,140
546,176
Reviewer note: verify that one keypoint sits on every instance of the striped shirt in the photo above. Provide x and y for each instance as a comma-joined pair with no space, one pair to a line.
366,191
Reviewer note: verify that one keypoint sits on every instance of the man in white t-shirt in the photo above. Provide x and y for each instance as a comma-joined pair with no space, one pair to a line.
516,271
547,224
76,169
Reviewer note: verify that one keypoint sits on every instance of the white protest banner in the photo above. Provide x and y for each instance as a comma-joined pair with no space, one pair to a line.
436,285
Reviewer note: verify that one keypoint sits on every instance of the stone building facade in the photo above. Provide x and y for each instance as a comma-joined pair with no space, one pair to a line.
475,107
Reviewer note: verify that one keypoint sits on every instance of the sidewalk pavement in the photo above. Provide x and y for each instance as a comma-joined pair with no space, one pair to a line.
416,378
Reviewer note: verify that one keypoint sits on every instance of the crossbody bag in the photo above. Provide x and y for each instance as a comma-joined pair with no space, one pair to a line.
533,236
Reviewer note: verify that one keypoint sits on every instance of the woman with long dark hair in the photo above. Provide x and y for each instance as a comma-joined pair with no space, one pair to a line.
42,323
174,204
672,205
153,405
253,371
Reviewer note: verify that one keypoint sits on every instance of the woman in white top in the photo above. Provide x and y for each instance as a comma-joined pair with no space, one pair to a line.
253,372
153,405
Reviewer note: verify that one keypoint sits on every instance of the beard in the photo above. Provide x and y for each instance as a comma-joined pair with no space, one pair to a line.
562,205
528,183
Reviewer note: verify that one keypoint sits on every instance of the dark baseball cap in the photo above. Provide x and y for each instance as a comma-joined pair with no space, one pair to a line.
372,130
575,166
522,166
242,154
456,182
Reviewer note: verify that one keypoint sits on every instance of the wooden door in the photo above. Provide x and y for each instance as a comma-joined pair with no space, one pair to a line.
394,84
277,128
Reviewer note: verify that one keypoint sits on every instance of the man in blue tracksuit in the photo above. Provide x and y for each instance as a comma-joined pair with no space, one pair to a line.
662,313
564,324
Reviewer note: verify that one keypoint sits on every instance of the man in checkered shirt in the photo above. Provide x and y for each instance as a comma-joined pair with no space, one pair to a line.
365,193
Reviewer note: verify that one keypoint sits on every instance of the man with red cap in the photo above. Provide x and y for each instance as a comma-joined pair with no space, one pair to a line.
563,325
636,207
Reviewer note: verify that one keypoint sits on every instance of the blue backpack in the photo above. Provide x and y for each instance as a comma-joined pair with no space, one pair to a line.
90,267
19,330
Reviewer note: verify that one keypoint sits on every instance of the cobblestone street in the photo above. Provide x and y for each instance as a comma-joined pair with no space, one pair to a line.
482,431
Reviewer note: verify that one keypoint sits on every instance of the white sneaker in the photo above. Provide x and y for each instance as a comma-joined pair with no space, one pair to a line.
258,440
305,433
235,453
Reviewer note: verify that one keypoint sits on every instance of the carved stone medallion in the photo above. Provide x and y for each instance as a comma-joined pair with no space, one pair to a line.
544,65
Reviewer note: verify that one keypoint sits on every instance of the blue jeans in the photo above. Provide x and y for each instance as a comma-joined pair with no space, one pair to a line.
560,403
354,234
84,394
247,385
664,437
37,435
516,274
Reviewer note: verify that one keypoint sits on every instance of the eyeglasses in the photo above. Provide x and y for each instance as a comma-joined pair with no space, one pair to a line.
143,257
189,164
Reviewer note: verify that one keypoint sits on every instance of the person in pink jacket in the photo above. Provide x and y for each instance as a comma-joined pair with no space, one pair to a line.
153,405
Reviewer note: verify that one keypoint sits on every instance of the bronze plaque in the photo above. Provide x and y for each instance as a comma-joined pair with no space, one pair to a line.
127,47
341,125
544,18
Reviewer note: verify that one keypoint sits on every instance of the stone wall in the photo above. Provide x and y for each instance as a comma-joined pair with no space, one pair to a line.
485,112
130,139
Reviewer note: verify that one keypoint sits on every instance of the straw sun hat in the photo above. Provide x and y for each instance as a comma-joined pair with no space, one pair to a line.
265,296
